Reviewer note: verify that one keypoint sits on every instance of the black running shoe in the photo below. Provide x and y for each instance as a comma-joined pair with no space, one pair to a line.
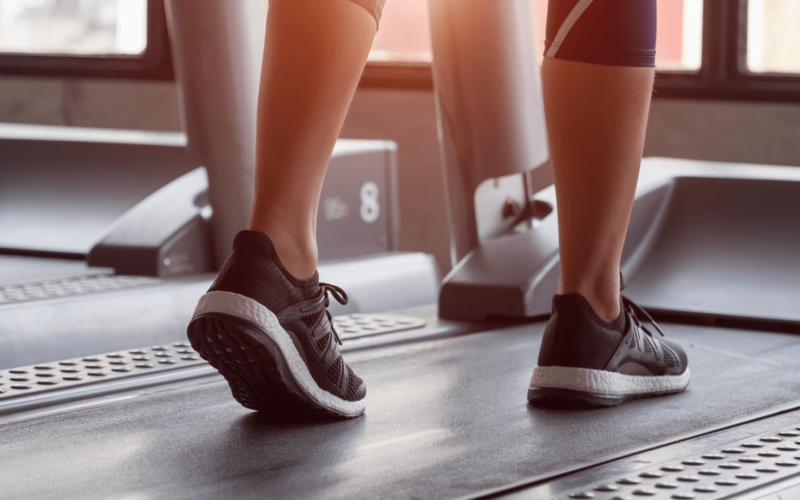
587,361
270,335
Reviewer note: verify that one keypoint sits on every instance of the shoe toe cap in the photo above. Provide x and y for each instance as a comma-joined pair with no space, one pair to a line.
356,388
676,358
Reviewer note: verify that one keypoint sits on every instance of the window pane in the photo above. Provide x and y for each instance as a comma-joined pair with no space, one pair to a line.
404,35
72,27
773,37
404,32
679,43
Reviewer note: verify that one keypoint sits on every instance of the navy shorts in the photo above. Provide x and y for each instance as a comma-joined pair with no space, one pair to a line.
609,32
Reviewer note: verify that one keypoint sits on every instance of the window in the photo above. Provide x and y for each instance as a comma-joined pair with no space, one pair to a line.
404,35
85,38
401,53
73,27
679,40
706,49
773,37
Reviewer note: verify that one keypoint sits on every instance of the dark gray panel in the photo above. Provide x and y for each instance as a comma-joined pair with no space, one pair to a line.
358,208
445,418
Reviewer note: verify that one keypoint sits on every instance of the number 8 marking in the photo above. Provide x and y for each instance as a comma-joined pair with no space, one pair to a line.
370,209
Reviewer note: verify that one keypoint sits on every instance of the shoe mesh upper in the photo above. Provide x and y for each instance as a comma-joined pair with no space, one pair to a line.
648,348
576,337
356,389
671,361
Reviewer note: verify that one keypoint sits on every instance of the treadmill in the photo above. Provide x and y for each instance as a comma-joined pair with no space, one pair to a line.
711,252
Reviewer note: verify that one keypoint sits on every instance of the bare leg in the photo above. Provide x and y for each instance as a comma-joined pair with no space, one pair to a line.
596,120
313,58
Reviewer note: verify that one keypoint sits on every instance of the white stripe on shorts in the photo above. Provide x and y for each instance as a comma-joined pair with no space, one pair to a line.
573,16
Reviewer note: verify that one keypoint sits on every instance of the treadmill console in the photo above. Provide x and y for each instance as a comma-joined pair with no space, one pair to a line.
167,233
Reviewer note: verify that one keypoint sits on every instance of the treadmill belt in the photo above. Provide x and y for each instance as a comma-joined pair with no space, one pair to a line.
445,418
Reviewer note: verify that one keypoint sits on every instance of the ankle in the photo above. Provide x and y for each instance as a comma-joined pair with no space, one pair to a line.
602,295
299,259
607,310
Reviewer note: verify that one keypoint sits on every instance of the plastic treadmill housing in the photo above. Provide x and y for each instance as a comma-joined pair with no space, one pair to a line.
705,238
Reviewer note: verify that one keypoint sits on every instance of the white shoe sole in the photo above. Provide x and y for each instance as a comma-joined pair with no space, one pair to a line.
600,386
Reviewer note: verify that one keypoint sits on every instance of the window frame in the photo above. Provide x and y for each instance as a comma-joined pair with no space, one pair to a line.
723,74
155,63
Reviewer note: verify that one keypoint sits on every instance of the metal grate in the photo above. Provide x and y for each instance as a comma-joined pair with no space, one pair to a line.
71,286
713,474
361,325
50,377
64,375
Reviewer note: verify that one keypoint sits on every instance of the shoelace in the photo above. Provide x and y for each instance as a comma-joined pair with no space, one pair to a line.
341,297
632,308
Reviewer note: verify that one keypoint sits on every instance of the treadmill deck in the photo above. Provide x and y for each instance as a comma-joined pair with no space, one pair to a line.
445,418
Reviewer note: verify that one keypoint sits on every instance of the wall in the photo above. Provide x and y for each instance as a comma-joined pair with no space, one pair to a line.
121,104
726,131
744,132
